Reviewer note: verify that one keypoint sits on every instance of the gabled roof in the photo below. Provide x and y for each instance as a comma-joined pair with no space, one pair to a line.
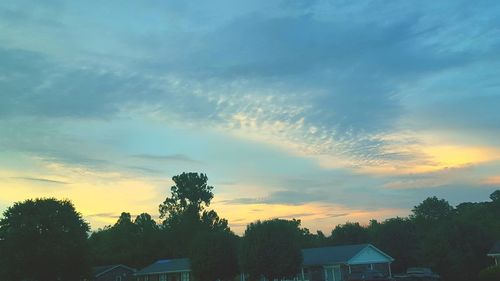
165,266
336,254
100,270
495,250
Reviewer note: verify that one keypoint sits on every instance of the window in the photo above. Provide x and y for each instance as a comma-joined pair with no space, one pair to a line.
118,278
185,276
163,277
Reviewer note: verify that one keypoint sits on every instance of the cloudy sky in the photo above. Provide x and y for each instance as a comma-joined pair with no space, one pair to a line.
327,111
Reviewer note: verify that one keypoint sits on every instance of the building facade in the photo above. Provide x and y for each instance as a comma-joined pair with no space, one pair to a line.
339,262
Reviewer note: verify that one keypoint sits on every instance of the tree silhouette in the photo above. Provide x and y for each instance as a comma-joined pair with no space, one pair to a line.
190,194
349,233
45,240
271,249
214,256
185,213
432,210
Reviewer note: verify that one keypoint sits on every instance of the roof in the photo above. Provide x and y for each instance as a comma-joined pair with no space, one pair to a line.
495,250
335,255
165,266
100,270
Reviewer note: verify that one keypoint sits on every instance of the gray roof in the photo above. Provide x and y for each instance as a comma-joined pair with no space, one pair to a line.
496,249
333,255
166,266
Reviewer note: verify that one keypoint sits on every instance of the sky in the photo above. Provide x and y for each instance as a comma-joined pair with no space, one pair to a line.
325,111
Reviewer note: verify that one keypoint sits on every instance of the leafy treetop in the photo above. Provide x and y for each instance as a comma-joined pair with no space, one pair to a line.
191,193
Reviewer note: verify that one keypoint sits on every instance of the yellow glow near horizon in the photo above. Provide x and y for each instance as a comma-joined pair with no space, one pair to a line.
432,158
315,216
100,202
99,197
103,196
449,156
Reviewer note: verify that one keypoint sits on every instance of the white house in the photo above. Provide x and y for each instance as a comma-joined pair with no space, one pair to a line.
337,263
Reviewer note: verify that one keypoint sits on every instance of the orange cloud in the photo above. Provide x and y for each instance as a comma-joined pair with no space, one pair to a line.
495,180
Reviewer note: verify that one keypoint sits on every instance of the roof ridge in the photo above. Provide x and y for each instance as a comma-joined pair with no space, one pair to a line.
107,268
334,246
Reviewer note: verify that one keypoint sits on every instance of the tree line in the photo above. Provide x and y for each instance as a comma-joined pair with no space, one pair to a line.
47,239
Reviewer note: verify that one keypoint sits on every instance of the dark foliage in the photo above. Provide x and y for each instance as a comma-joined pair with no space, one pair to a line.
397,237
271,249
349,233
43,240
142,241
134,244
185,213
214,256
190,194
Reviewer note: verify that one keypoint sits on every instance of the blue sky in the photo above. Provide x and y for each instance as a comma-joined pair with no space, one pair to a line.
328,111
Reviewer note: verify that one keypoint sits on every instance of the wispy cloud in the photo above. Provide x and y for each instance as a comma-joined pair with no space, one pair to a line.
41,180
337,215
355,103
287,197
296,216
172,157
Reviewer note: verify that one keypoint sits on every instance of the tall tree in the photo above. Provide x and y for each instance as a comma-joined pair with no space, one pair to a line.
185,213
271,249
191,193
44,240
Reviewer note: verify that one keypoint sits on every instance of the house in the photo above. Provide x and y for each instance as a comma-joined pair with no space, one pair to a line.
166,270
117,272
319,264
338,262
495,252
